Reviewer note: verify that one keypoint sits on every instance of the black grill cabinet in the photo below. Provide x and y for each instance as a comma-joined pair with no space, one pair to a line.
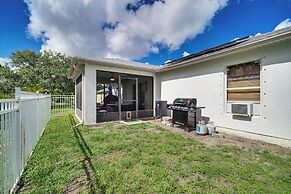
184,112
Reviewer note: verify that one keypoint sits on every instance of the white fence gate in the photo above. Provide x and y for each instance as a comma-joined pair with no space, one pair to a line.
22,121
62,104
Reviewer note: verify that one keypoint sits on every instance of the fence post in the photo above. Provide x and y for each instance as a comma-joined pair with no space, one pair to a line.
2,149
18,135
37,116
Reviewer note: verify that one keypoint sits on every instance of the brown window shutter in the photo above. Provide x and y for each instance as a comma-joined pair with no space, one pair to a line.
243,82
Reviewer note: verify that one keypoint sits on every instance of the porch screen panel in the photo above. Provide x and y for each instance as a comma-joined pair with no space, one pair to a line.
243,82
79,92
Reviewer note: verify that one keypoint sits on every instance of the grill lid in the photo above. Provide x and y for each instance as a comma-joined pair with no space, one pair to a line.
188,102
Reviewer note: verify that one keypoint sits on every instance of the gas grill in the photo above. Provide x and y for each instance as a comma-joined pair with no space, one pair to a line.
184,112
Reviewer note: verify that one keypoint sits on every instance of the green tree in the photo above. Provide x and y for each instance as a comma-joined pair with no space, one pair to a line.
26,67
8,80
44,72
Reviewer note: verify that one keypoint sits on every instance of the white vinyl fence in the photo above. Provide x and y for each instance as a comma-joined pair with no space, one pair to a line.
22,121
62,104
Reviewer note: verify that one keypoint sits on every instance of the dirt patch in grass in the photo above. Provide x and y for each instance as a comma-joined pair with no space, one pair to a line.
188,179
114,156
76,186
228,139
107,126
222,183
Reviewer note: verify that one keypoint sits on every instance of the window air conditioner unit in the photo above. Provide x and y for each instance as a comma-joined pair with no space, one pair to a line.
242,109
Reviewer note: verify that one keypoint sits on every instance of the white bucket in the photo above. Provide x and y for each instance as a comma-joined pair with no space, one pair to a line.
211,128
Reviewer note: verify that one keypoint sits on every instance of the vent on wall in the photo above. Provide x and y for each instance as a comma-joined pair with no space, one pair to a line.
242,109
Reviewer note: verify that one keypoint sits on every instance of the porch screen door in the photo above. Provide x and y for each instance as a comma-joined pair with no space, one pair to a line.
128,94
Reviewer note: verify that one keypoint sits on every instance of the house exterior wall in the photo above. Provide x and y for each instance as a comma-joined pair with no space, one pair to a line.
207,82
89,92
89,100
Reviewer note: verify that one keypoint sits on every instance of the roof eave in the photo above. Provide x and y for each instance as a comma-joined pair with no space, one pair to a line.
75,69
229,51
101,62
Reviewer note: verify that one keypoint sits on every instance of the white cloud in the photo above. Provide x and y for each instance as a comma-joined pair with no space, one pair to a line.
284,24
185,53
167,61
5,62
155,50
105,28
257,34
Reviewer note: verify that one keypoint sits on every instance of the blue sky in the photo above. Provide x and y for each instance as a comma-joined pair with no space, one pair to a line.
236,19
13,34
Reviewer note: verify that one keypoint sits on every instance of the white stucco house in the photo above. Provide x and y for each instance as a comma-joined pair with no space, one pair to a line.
255,70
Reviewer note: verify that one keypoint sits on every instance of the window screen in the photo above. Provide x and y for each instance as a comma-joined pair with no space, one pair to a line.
243,82
79,92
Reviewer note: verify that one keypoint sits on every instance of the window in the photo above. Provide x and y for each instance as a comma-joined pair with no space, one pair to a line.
243,82
79,92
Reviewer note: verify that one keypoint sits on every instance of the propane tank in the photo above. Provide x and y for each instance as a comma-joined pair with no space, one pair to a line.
211,128
201,128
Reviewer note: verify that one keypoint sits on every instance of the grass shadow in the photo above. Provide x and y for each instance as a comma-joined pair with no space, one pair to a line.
87,165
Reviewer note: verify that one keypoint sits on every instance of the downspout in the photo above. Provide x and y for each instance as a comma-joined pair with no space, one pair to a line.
77,125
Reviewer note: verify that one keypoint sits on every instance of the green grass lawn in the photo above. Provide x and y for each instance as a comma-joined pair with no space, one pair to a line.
145,158
58,110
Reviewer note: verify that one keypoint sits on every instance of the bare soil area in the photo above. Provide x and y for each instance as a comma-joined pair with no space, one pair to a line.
226,139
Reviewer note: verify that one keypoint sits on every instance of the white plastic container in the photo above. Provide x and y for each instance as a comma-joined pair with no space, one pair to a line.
211,128
201,128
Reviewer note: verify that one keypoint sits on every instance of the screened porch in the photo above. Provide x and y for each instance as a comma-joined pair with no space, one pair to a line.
122,96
